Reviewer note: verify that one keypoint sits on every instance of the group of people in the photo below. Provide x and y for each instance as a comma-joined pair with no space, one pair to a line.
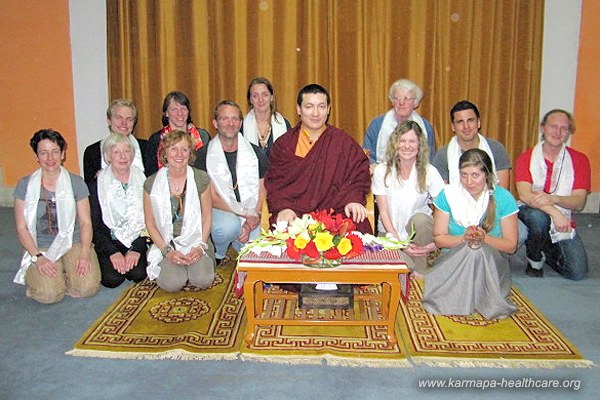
458,201
169,208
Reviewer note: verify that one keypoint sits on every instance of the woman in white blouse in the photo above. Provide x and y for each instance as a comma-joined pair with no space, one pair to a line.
404,185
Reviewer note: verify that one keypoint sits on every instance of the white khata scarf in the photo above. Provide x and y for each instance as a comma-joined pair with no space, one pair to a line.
563,177
465,210
137,153
402,198
278,128
66,210
454,152
247,175
387,128
191,231
122,210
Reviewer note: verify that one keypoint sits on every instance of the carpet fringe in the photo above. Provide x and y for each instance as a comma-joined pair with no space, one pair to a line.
176,354
326,359
365,362
499,363
288,359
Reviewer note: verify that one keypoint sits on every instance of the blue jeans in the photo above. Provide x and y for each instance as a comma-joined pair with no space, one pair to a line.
225,230
567,257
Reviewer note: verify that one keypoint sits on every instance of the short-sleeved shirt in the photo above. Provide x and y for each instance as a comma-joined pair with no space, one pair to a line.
433,186
501,159
47,221
202,182
581,169
505,206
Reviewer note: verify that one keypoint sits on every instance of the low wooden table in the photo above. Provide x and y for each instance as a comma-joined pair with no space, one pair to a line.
264,307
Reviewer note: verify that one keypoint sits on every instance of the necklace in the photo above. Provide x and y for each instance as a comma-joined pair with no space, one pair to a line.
176,187
263,138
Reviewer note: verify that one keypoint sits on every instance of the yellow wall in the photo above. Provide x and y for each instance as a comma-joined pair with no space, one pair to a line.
36,82
587,89
36,85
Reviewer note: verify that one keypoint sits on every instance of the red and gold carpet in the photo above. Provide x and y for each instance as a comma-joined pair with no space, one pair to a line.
146,322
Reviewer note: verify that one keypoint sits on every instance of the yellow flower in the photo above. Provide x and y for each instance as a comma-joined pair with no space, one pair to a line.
344,246
324,241
300,242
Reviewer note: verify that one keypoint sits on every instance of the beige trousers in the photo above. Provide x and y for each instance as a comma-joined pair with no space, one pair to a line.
424,235
47,290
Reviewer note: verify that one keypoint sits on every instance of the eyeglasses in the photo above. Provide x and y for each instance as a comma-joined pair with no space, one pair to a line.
403,99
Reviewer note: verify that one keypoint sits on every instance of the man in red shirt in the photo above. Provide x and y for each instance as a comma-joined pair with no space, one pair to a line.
552,181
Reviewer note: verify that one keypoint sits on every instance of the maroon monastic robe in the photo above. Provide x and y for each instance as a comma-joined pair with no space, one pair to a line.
335,172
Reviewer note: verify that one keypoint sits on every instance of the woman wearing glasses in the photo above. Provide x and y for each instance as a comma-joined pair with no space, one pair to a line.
52,215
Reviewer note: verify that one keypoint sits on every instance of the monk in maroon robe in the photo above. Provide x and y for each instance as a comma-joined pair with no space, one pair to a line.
315,166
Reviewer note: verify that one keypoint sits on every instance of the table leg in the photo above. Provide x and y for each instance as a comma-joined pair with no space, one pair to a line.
393,310
385,298
249,285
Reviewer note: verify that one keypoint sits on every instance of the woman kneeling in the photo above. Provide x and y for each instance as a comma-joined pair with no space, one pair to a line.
52,214
178,210
475,222
116,199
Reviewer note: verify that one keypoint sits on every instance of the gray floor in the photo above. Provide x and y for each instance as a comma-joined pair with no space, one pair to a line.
33,339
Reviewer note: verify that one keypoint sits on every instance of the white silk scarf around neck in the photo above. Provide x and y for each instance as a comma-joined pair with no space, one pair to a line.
191,231
66,210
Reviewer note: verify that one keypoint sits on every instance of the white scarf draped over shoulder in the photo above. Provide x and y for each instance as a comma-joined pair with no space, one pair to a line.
563,177
191,231
466,210
122,210
137,153
387,128
66,210
454,152
246,171
278,127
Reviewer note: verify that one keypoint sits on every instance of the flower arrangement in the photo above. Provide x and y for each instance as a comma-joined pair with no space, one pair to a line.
323,237
320,238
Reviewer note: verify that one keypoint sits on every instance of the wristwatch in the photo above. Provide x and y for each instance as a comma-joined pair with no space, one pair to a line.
35,258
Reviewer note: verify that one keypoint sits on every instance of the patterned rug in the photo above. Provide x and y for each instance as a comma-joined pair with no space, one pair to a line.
146,322
354,346
526,339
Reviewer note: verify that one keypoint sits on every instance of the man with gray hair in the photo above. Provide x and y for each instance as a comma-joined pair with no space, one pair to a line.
405,96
